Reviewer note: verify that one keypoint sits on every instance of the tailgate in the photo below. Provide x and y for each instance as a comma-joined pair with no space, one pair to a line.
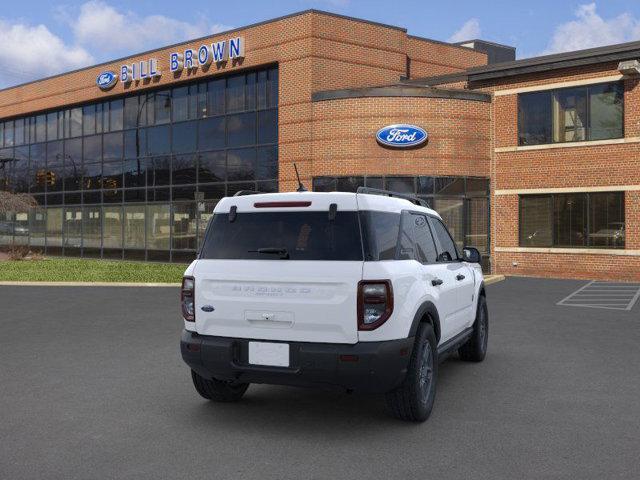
307,301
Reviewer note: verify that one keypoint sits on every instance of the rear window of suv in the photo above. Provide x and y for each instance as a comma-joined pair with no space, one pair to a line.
284,235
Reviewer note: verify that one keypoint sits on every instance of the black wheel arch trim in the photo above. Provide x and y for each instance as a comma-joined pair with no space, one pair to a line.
427,308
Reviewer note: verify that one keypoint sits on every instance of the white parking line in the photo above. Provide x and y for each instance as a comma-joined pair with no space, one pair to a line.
613,296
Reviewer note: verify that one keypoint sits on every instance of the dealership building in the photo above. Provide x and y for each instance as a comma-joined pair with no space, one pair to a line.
536,162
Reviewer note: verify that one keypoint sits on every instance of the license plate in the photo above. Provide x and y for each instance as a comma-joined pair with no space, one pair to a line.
271,354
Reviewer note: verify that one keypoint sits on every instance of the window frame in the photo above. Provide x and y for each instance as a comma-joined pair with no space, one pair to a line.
439,247
552,93
588,196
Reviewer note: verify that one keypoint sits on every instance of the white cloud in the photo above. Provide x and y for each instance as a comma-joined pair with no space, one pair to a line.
28,52
104,29
591,30
469,31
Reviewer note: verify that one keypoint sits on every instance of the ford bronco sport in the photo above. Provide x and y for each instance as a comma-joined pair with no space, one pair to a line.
361,291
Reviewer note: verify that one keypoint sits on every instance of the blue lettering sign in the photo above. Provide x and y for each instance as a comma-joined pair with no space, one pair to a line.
401,136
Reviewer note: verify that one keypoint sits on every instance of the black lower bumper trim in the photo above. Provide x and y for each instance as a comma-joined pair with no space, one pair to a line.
373,367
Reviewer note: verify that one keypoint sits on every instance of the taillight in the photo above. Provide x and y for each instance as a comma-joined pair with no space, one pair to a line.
375,303
187,299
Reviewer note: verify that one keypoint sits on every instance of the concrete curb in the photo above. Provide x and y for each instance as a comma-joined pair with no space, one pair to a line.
88,284
489,279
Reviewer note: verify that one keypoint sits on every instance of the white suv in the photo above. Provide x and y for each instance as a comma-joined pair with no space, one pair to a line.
358,291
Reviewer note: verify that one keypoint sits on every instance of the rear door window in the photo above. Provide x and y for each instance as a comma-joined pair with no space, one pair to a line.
447,251
268,235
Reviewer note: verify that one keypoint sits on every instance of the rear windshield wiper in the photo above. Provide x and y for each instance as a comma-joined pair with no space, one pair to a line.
284,254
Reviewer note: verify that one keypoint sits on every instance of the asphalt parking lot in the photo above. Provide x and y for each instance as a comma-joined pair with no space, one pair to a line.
92,386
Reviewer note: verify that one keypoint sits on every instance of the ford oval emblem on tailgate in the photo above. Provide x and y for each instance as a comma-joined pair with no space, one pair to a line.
207,308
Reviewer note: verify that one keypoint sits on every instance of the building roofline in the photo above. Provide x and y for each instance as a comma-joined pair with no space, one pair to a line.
400,90
225,32
495,44
556,61
436,79
441,42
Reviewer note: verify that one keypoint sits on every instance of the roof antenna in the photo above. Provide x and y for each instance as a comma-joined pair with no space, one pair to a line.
301,187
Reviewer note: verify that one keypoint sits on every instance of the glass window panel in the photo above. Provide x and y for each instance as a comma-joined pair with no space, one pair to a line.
272,88
92,175
112,227
268,186
607,220
130,115
55,165
135,173
102,117
201,106
232,188
606,111
349,184
536,217
452,213
92,227
41,128
235,93
135,195
158,194
250,91
425,185
215,97
75,122
158,227
570,115
8,134
72,198
19,131
162,107
184,136
570,218
52,126
21,169
184,226
213,191
1,135
325,184
112,146
21,228
477,234
38,177
211,133
112,196
89,120
159,140
116,115
204,214
268,126
193,102
449,186
183,169
92,149
183,193
425,245
241,164
92,197
6,228
261,89
374,182
180,103
241,129
135,143
534,118
477,187
73,164
267,163
54,199
112,175
400,184
212,167
134,226
159,171
54,227
72,233
37,226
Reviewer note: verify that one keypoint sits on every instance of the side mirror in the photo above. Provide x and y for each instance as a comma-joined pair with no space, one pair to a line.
471,255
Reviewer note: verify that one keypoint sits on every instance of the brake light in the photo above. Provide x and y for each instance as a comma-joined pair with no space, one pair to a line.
187,299
375,303
281,204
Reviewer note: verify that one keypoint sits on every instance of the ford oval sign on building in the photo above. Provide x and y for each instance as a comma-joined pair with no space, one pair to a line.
106,80
401,136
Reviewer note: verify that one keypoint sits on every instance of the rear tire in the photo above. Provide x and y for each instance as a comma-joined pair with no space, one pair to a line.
475,349
217,390
413,400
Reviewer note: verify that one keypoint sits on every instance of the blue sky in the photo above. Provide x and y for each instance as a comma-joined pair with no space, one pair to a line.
42,37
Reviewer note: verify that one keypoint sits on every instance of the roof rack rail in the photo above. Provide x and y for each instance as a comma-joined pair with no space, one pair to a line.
242,193
389,193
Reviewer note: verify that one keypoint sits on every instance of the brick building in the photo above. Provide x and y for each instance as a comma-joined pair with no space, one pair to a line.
531,161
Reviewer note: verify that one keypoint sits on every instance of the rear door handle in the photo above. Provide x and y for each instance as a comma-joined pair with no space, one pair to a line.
436,282
460,277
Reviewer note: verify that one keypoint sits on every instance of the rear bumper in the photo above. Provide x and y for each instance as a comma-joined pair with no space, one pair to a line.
373,367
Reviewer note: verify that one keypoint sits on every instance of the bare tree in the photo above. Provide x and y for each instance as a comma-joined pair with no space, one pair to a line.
16,202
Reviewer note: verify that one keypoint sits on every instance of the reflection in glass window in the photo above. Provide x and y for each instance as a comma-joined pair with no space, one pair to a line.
606,220
92,149
606,107
216,97
267,163
159,140
89,120
211,133
162,107
75,122
134,226
116,115
477,234
235,93
180,103
570,219
212,167
183,169
184,137
184,226
268,126
52,126
54,227
241,164
92,227
400,184
112,146
72,233
241,129
452,213
37,226
158,227
130,115
112,225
